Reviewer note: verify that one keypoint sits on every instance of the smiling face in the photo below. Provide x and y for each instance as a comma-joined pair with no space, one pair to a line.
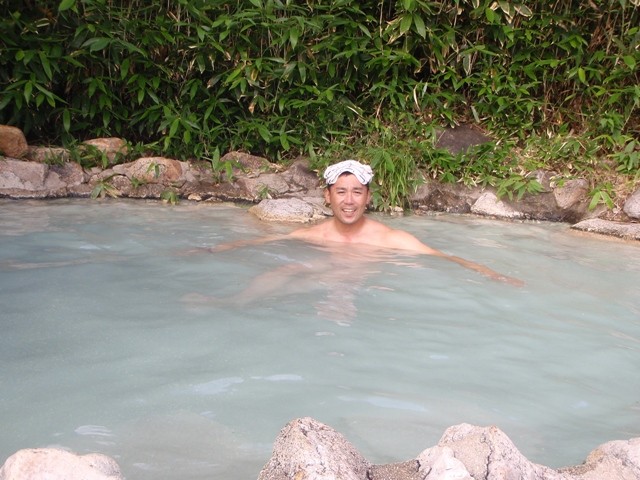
348,199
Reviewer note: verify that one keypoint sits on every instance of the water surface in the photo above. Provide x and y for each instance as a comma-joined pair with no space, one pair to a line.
106,345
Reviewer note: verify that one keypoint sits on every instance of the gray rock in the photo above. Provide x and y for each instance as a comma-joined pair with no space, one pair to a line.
308,449
460,138
397,471
49,154
624,230
487,453
616,460
250,165
287,210
571,192
57,464
269,184
65,176
439,463
21,175
299,175
154,170
446,197
489,205
632,206
112,147
13,143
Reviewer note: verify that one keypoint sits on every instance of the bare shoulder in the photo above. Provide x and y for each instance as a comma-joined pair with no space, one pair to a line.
314,232
399,239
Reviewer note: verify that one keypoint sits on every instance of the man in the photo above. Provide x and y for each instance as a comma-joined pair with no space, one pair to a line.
347,193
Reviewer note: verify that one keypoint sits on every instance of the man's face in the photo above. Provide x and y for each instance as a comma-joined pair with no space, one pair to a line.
348,198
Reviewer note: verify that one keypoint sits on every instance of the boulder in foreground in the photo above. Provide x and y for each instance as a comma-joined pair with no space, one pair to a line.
57,464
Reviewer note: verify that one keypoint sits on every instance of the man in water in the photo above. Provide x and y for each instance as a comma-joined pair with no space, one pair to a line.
347,193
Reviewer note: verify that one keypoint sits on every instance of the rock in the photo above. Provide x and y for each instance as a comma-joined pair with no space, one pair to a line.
487,453
632,206
13,143
161,170
112,147
439,463
397,471
572,198
308,449
489,205
49,155
21,175
446,197
268,185
62,177
624,230
571,192
287,210
460,138
57,464
299,175
618,459
422,196
250,165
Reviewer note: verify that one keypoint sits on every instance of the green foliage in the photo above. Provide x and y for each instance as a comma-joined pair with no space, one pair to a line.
222,170
88,156
602,194
187,79
170,197
104,189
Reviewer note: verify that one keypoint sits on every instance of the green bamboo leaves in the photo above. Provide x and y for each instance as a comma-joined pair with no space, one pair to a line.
282,78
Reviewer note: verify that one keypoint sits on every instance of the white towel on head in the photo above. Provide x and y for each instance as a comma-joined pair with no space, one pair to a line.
363,173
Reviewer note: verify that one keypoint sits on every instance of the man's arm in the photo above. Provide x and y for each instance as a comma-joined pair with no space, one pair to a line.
241,243
406,241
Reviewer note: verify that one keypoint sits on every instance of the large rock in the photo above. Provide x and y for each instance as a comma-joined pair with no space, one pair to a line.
487,453
49,155
624,230
308,449
439,463
288,210
247,164
460,138
269,184
12,142
112,148
154,170
615,460
445,197
67,175
21,175
489,205
57,464
301,178
632,206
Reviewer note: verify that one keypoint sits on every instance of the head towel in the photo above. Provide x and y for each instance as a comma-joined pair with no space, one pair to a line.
363,173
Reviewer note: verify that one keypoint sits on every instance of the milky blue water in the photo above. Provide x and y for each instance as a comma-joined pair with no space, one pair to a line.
111,340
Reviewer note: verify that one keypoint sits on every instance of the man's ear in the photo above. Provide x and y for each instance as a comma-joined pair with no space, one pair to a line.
327,195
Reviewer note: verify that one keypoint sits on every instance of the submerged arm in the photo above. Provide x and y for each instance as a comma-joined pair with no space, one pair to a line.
241,243
407,241
486,271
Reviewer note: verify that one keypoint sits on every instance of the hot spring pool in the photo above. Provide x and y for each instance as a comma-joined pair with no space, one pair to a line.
104,350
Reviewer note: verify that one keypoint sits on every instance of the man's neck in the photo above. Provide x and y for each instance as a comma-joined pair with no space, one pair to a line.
349,232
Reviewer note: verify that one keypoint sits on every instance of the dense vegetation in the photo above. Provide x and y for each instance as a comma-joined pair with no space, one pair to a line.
556,82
